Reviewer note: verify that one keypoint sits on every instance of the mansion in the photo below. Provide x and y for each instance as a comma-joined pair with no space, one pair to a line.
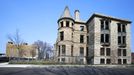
101,39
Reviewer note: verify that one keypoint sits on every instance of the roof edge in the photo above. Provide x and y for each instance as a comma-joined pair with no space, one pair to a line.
106,16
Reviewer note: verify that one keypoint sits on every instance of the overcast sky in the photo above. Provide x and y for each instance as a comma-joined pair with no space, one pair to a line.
37,19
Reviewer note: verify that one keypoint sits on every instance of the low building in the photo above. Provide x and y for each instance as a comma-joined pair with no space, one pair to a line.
132,56
26,51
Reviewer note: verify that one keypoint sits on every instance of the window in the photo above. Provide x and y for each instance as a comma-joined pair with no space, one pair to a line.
124,40
119,39
81,61
81,38
81,28
102,38
119,27
102,61
108,61
72,24
102,25
81,51
61,23
67,23
87,39
71,50
61,35
63,49
107,38
87,52
102,51
59,51
63,60
123,28
119,61
119,52
108,51
124,52
124,61
106,25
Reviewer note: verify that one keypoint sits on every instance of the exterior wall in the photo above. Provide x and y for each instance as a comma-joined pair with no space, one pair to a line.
90,33
113,42
11,51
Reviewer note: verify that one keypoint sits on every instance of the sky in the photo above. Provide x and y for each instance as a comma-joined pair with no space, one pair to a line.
37,19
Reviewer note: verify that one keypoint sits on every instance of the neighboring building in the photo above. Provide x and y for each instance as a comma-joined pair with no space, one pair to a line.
132,55
27,51
100,40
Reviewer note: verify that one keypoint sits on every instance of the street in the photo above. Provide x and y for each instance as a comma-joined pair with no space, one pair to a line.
60,70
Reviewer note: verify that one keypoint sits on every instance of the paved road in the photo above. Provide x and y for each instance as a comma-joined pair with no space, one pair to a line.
66,71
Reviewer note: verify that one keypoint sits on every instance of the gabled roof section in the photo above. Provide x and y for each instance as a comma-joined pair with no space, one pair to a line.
106,16
66,13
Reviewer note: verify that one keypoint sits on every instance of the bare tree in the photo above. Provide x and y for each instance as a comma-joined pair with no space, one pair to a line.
43,49
18,43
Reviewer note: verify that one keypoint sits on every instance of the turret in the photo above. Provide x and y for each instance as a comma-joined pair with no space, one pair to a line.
65,25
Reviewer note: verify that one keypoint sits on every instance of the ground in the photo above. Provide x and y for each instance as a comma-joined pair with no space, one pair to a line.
66,70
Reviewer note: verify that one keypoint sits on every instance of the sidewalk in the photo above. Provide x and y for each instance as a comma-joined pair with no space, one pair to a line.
13,65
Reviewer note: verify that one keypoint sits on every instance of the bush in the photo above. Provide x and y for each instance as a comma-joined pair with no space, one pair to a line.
35,62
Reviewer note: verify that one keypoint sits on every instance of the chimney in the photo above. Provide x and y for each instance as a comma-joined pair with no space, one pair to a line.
77,15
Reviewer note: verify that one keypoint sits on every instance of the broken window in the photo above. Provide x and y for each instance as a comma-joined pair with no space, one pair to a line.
119,61
107,38
81,28
63,60
63,49
102,61
119,52
87,52
119,27
106,24
87,39
72,24
81,51
81,38
61,23
102,38
123,28
119,39
124,52
102,51
124,40
108,51
102,25
124,61
61,35
108,61
71,50
59,51
67,23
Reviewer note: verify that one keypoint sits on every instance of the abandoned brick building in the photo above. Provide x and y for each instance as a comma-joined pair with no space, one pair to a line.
101,39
